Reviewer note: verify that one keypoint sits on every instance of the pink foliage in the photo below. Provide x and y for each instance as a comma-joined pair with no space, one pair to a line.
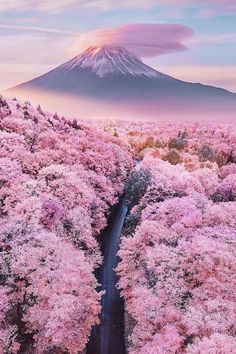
215,344
58,180
177,269
60,302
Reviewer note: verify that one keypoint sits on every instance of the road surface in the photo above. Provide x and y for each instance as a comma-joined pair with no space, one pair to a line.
108,337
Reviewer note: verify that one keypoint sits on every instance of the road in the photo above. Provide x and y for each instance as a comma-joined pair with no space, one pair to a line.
108,337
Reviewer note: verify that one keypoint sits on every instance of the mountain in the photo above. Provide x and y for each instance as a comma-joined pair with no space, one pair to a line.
113,74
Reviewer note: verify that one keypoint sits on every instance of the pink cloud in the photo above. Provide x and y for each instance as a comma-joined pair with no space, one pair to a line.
145,40
38,29
229,4
213,39
68,5
220,76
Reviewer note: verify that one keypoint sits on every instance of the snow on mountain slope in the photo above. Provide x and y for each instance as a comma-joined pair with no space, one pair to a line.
111,59
112,72
112,75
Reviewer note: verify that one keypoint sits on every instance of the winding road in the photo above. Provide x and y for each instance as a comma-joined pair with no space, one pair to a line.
108,337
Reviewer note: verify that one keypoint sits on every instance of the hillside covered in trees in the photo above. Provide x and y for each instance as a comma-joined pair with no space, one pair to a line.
59,179
178,252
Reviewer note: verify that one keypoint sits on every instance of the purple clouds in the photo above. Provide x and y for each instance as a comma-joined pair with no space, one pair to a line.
68,5
145,40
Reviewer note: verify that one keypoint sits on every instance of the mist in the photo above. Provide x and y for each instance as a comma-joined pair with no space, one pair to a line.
89,108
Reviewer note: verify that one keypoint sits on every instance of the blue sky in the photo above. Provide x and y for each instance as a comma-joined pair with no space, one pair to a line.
30,46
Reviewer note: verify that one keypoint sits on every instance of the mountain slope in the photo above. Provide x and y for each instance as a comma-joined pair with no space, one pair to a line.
113,72
111,83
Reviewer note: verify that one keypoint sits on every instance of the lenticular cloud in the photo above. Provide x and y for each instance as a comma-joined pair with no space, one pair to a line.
145,40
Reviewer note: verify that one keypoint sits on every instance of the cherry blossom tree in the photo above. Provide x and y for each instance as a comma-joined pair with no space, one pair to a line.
58,181
177,269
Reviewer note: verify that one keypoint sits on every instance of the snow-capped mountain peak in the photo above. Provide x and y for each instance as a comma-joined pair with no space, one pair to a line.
113,74
111,60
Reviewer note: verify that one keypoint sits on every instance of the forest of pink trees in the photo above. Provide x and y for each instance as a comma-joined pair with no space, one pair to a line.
178,270
59,179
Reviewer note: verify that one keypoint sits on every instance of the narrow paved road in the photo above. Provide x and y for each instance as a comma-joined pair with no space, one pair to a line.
108,337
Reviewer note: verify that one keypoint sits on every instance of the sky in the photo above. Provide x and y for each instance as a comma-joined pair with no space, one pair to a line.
193,40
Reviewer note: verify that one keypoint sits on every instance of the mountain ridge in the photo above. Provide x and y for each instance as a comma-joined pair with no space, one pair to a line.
103,62
112,74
